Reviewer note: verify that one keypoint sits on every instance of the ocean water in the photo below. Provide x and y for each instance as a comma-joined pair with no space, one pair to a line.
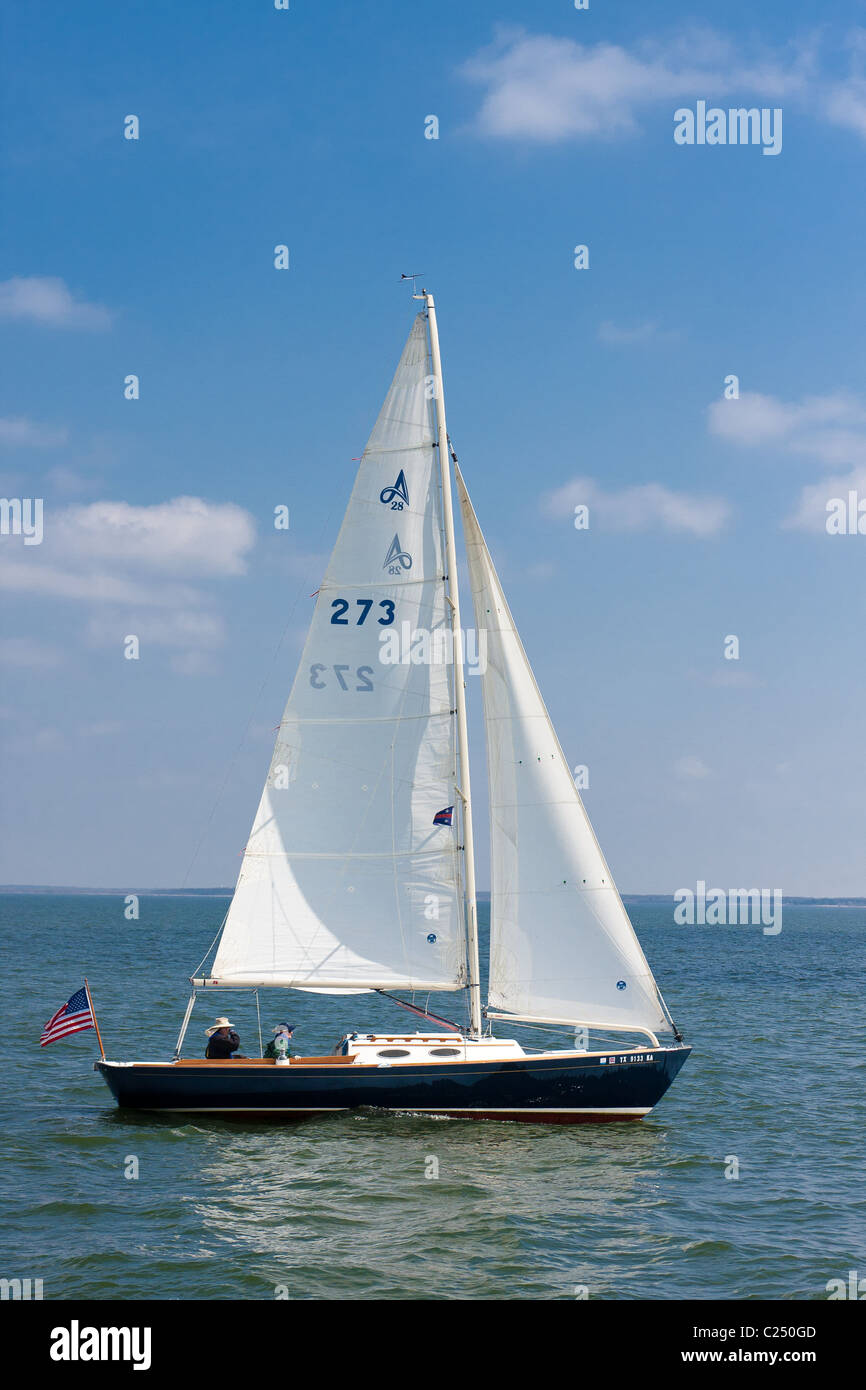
343,1208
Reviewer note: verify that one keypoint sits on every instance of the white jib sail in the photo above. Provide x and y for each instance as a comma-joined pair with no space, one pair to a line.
346,882
561,944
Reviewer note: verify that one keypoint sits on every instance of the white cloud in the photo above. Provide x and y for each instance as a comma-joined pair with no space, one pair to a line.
131,566
846,100
184,536
307,566
645,507
543,570
48,737
830,429
846,105
729,677
46,299
31,739
193,662
833,447
758,419
191,635
27,652
690,768
617,336
66,480
168,779
183,628
32,575
811,514
545,88
16,431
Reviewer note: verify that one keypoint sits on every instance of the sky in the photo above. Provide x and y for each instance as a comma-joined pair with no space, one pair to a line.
604,386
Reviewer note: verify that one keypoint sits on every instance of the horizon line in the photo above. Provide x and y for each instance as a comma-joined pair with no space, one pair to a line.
47,889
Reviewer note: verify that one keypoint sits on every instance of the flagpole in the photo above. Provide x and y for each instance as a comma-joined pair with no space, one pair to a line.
93,1016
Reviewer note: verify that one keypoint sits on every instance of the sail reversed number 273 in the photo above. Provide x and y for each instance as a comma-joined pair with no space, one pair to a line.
363,674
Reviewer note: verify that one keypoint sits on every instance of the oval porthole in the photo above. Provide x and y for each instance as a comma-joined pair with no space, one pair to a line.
445,1052
393,1052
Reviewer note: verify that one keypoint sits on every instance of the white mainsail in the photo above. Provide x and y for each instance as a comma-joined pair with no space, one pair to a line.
561,945
346,883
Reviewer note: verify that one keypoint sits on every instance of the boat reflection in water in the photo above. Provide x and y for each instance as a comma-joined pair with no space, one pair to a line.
495,1213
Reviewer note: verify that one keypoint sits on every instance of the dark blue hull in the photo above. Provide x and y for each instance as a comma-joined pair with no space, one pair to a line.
569,1089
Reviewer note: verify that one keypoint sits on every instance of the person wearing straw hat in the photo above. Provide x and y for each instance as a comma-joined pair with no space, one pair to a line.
222,1042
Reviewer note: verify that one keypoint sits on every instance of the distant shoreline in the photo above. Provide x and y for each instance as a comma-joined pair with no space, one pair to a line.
42,890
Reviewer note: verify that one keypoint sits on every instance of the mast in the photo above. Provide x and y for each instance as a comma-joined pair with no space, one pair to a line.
453,596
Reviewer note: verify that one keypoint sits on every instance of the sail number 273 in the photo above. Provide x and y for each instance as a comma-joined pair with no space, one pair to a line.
363,674
341,608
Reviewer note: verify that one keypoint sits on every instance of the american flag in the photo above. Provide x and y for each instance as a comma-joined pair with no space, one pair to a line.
75,1016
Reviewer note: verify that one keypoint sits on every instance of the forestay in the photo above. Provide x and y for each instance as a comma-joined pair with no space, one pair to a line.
562,946
346,882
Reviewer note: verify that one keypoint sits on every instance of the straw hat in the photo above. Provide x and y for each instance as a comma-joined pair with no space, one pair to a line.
220,1023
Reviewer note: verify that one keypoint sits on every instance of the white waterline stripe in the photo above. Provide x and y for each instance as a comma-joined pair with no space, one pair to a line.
412,1109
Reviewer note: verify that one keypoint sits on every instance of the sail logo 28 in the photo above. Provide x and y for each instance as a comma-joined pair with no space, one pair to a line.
397,560
398,495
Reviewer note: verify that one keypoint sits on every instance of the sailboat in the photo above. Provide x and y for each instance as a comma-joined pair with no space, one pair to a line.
359,873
